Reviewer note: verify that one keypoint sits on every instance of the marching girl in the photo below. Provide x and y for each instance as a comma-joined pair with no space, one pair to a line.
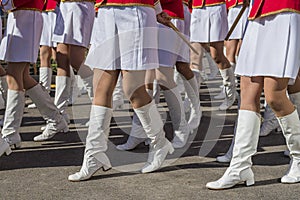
127,44
209,26
271,62
19,48
233,44
47,45
72,34
172,52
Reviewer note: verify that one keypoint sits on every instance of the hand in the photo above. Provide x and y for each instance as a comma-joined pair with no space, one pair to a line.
163,18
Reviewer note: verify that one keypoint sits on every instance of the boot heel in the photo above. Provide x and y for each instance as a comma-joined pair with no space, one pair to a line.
250,182
248,176
8,151
66,129
17,145
106,168
171,150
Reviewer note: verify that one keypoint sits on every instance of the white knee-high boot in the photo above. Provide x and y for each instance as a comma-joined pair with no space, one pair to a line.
214,70
62,95
137,133
74,90
230,89
3,88
245,146
46,77
291,130
96,144
153,126
45,80
270,122
55,122
226,158
295,99
4,147
86,74
198,76
177,114
179,81
136,136
118,95
13,117
192,91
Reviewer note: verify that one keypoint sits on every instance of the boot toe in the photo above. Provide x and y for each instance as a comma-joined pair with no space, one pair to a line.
75,177
178,145
290,179
159,157
223,159
215,185
40,138
122,147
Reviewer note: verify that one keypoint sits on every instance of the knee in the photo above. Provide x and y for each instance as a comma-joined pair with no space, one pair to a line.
131,90
216,58
275,103
45,55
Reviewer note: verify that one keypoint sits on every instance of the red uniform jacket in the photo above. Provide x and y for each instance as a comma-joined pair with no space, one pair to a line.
233,3
125,3
173,7
262,8
29,4
50,5
202,3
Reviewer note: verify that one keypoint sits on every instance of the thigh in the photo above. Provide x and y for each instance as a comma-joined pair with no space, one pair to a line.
216,49
133,80
276,96
165,78
296,87
275,88
15,73
77,56
104,82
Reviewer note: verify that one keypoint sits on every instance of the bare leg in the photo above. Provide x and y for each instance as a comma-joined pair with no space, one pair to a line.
231,49
276,97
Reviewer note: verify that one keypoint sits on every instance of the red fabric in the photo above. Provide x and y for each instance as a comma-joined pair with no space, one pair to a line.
233,3
173,7
50,5
29,4
124,2
202,3
263,8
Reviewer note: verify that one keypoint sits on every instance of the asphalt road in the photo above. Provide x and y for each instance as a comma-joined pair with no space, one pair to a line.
40,170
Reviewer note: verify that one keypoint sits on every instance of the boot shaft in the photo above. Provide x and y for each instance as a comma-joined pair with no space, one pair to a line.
13,112
291,130
246,139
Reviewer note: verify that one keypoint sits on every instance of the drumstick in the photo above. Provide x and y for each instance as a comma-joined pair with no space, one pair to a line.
182,37
236,21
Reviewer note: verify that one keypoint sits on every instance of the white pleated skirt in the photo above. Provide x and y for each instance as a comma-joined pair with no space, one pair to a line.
74,23
171,47
49,19
209,24
187,20
22,37
126,39
1,29
96,31
271,47
238,32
